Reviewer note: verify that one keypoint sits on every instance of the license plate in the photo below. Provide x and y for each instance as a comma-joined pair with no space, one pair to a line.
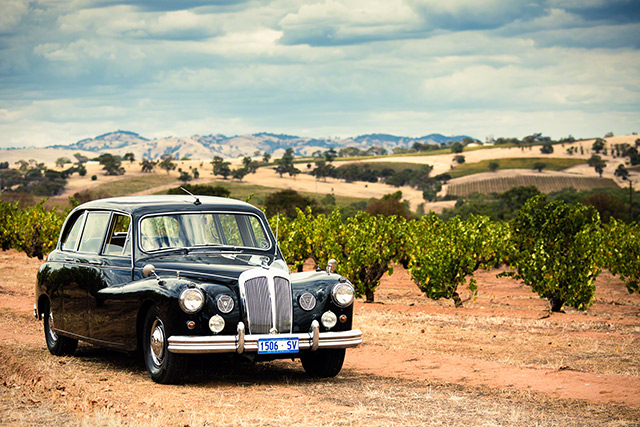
278,345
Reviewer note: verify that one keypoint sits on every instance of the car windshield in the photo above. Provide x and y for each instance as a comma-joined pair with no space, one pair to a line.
192,230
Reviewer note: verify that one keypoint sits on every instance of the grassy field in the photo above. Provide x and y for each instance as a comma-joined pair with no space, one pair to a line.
258,193
544,183
134,184
553,164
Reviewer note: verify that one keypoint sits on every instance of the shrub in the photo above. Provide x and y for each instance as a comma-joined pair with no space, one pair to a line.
555,251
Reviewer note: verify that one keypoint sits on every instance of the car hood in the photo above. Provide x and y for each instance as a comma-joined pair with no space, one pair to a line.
222,267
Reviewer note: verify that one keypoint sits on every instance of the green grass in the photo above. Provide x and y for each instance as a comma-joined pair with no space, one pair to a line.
243,191
129,185
396,166
553,164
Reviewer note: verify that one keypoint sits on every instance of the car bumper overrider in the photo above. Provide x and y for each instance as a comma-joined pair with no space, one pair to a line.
241,343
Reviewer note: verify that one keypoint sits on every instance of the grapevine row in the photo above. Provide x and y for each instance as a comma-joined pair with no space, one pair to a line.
555,248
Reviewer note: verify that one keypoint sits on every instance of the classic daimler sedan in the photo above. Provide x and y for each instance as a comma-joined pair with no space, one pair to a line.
178,275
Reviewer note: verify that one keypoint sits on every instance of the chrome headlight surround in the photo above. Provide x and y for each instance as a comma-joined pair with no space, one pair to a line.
191,300
225,304
343,294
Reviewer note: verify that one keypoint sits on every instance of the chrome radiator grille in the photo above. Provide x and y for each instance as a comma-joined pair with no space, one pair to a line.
268,302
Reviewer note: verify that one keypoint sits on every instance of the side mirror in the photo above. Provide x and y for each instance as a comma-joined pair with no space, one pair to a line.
332,265
148,270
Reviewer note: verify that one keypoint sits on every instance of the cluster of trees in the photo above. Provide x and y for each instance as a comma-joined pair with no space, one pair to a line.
35,178
418,177
534,138
358,152
610,203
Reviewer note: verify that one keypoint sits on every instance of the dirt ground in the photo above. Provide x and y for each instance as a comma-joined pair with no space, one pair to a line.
499,360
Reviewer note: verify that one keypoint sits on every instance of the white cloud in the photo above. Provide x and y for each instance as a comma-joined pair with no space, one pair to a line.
13,11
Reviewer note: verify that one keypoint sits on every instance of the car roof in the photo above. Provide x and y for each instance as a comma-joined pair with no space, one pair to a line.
142,205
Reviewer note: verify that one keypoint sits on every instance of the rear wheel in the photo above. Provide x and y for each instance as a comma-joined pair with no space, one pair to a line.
323,363
164,367
57,344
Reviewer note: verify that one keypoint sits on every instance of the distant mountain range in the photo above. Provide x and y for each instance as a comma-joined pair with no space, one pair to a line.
205,147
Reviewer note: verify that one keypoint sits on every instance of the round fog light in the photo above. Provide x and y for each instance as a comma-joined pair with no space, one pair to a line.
191,324
343,318
216,324
329,319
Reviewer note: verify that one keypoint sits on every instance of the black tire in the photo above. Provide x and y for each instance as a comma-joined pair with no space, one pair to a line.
58,345
324,363
163,366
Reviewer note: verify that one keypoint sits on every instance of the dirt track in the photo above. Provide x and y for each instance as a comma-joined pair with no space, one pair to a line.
495,361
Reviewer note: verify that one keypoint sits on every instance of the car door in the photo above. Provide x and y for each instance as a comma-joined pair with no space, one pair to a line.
84,268
106,322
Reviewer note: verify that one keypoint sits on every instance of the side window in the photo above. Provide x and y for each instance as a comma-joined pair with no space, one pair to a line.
94,230
118,236
72,233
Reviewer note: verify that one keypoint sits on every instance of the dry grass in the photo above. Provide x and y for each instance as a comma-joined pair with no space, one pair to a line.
107,388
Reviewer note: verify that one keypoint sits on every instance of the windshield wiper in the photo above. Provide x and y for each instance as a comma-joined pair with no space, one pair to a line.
169,251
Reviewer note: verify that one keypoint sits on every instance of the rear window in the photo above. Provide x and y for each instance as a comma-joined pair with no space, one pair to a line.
72,232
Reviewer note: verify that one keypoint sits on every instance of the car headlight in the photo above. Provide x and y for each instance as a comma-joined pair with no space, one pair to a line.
329,319
191,300
342,294
216,324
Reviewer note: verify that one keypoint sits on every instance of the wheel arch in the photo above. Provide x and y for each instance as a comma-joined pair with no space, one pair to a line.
43,304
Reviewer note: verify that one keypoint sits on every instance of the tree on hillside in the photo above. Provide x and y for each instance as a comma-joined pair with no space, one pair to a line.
598,145
61,161
285,202
147,165
80,159
285,164
459,159
167,163
130,157
621,172
457,147
493,166
597,163
330,155
185,177
390,205
111,164
250,165
239,173
266,157
547,148
539,166
220,167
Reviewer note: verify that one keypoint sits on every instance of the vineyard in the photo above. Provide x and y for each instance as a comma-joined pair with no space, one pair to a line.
555,248
544,183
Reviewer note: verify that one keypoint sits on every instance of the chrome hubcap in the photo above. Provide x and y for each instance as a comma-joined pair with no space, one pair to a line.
52,334
157,342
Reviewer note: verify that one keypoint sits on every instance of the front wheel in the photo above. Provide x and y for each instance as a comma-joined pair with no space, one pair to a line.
164,367
57,344
324,363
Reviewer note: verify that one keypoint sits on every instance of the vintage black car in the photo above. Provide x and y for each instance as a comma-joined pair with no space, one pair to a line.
178,275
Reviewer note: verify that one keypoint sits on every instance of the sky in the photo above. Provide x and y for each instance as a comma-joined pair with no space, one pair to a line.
73,69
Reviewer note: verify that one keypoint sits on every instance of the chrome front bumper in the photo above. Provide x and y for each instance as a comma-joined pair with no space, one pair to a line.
249,343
